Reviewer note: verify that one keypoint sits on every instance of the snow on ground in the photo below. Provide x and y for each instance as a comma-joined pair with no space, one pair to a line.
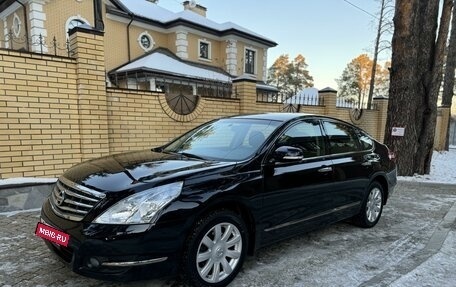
443,169
26,180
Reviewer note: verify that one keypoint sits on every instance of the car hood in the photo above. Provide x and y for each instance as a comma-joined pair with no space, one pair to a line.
128,171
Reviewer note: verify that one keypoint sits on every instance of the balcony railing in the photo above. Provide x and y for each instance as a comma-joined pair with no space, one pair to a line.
147,81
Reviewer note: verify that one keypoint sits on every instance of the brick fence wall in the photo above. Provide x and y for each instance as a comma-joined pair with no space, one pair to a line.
39,122
56,112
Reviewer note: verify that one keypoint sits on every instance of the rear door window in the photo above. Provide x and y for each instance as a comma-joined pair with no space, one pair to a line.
342,138
366,141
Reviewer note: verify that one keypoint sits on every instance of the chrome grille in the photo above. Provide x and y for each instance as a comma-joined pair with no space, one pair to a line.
73,201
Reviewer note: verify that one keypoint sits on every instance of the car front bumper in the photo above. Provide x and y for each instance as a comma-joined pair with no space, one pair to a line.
125,257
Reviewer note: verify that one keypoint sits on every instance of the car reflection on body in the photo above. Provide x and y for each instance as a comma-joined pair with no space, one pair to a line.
198,205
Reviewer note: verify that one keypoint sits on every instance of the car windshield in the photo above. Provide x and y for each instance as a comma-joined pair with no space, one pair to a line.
230,139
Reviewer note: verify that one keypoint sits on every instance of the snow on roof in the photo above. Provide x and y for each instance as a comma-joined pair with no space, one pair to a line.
153,11
147,9
160,62
266,87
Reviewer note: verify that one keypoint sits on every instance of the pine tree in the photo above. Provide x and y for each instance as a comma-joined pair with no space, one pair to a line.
290,76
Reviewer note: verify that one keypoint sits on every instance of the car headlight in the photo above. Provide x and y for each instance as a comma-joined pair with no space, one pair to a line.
142,207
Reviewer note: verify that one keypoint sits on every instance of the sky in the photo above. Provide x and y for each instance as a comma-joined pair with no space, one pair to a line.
328,33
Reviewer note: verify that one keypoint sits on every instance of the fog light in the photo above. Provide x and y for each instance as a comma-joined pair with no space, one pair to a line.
93,263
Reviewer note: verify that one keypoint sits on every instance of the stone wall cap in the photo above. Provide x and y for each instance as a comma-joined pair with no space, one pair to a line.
328,89
87,29
247,78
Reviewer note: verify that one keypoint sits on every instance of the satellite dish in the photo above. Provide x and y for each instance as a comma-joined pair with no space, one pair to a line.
192,3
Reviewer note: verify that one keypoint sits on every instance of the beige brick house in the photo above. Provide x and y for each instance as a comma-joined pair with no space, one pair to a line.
148,47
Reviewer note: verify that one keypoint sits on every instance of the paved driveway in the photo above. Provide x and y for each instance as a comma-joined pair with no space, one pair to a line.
414,244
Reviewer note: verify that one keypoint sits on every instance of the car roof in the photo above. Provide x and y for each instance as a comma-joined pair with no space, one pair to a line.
282,117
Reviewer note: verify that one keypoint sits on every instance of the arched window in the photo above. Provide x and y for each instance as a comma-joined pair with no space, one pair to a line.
74,21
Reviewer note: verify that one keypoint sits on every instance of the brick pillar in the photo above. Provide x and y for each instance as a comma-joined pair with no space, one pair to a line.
381,104
87,47
246,92
329,97
441,128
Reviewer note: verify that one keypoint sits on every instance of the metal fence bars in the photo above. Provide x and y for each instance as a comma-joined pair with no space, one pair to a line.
35,43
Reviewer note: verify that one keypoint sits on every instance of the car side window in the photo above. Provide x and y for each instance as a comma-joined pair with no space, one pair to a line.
306,136
342,138
366,141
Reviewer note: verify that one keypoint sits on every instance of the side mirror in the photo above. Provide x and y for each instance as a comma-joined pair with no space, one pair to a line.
288,154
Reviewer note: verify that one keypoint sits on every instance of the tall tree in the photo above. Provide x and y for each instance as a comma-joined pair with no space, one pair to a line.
354,81
416,74
448,81
290,76
278,72
384,28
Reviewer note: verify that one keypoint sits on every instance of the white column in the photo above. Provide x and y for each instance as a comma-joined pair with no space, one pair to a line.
194,89
182,44
37,18
231,57
265,65
5,33
152,85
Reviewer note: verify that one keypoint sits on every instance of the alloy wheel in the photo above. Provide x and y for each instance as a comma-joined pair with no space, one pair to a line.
374,204
219,252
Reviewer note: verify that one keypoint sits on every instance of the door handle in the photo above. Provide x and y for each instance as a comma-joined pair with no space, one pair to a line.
325,169
370,158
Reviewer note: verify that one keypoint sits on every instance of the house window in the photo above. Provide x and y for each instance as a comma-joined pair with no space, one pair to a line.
16,25
204,49
74,21
250,61
145,41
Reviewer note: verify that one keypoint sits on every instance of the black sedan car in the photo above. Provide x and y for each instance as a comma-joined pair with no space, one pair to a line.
198,205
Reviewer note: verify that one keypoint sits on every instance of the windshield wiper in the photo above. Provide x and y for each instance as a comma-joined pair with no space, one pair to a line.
190,155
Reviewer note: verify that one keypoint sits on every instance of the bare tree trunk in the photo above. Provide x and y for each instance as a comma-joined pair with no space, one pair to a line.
374,64
426,147
448,81
415,73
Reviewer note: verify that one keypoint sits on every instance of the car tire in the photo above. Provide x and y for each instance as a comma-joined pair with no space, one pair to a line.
372,207
215,250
